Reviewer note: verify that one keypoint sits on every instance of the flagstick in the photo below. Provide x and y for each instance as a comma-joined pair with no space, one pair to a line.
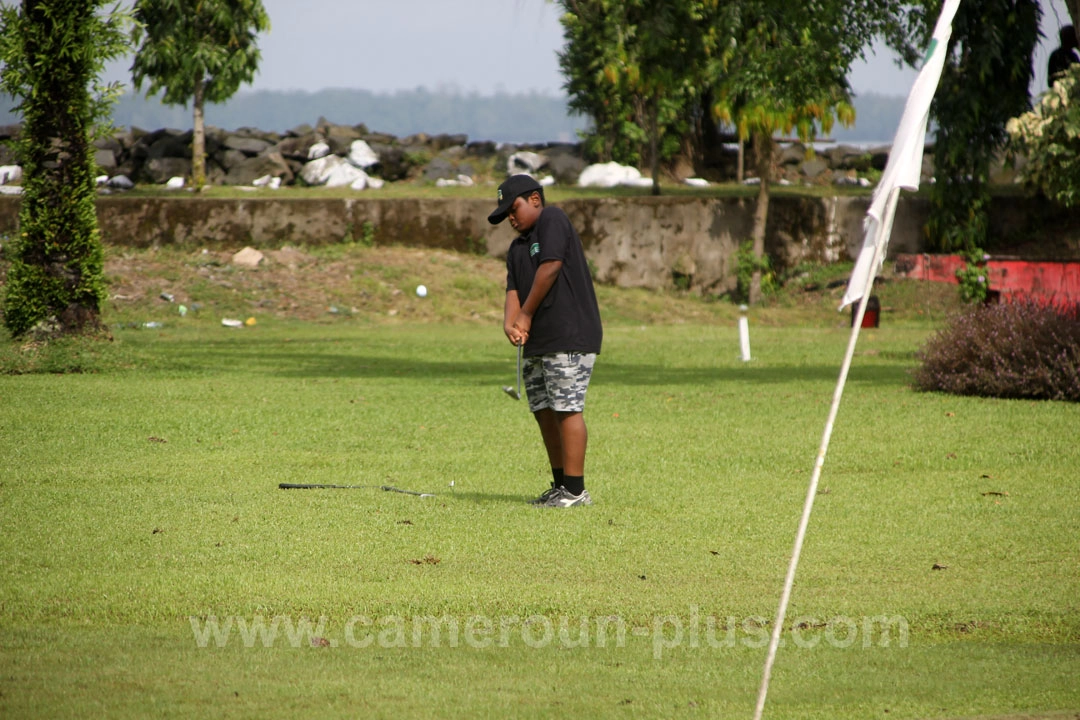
883,232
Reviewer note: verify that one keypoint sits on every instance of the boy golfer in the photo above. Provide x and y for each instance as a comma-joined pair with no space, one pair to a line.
551,309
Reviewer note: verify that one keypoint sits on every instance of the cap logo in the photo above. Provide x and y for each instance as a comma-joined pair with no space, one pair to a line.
500,195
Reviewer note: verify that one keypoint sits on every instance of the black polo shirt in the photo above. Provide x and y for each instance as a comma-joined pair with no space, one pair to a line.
568,319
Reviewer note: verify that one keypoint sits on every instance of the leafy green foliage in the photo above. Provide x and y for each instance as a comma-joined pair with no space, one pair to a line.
974,287
785,69
984,83
182,43
747,264
1048,138
53,53
636,67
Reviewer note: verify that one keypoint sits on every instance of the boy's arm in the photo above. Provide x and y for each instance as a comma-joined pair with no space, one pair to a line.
511,308
546,275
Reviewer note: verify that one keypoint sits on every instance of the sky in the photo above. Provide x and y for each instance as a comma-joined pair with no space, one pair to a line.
468,46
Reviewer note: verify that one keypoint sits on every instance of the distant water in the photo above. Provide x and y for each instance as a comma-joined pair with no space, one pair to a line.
821,146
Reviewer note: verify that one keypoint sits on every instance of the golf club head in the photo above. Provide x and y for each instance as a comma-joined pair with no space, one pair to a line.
511,392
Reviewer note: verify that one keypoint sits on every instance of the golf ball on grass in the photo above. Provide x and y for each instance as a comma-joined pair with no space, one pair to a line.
421,290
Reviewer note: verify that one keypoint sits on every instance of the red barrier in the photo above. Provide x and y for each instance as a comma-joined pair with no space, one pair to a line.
1051,280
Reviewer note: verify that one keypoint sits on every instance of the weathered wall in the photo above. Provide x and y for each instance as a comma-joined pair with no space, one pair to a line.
632,242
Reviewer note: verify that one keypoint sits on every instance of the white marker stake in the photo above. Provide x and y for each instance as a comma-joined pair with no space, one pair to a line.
744,334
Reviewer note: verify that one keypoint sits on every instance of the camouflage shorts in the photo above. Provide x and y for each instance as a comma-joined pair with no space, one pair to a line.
558,381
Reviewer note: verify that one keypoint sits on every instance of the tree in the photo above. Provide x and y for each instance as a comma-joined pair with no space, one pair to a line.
787,71
53,51
984,83
197,50
636,67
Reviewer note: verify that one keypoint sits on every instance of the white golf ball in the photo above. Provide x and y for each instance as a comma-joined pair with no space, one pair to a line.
421,290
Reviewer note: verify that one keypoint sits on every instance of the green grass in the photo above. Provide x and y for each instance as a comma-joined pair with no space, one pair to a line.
140,496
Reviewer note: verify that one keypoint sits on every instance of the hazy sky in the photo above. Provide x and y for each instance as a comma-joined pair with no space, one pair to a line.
481,46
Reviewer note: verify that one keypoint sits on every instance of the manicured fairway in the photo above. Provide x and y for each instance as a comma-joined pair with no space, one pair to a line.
150,567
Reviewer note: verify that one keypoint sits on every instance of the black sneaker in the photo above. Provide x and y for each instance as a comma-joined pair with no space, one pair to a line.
544,496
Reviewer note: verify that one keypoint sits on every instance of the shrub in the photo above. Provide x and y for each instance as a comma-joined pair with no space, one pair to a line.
1022,349
745,265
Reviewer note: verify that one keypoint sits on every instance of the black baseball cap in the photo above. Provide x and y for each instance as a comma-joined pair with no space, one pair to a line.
511,189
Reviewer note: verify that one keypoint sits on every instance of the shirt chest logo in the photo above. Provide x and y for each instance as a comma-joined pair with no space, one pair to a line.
534,249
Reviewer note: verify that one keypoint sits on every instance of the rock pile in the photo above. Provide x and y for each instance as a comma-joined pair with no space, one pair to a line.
324,155
334,155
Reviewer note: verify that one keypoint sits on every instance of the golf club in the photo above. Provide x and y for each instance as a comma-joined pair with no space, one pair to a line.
317,486
516,394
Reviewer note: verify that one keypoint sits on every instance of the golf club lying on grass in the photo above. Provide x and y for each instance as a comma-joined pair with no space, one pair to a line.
387,488
516,394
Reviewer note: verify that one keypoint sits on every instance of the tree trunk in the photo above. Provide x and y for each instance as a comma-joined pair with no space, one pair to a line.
740,170
763,147
654,143
198,139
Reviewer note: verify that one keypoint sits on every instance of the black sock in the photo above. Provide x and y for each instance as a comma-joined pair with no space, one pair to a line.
556,477
574,484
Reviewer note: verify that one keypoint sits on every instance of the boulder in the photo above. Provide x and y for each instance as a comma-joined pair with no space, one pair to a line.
109,143
459,181
269,165
609,174
814,167
252,132
169,144
793,154
525,162
266,181
846,157
120,182
318,150
340,138
361,155
378,138
565,163
296,147
228,159
315,172
331,171
482,148
105,159
214,140
879,157
10,174
159,170
250,146
249,257
442,142
394,163
300,130
440,168
344,174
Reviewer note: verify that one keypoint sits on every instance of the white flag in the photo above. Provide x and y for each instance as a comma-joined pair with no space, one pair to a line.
905,158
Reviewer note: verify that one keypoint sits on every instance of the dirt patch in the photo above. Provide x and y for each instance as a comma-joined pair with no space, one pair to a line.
307,284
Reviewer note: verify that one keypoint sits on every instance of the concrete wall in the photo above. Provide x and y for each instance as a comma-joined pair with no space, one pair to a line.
651,242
